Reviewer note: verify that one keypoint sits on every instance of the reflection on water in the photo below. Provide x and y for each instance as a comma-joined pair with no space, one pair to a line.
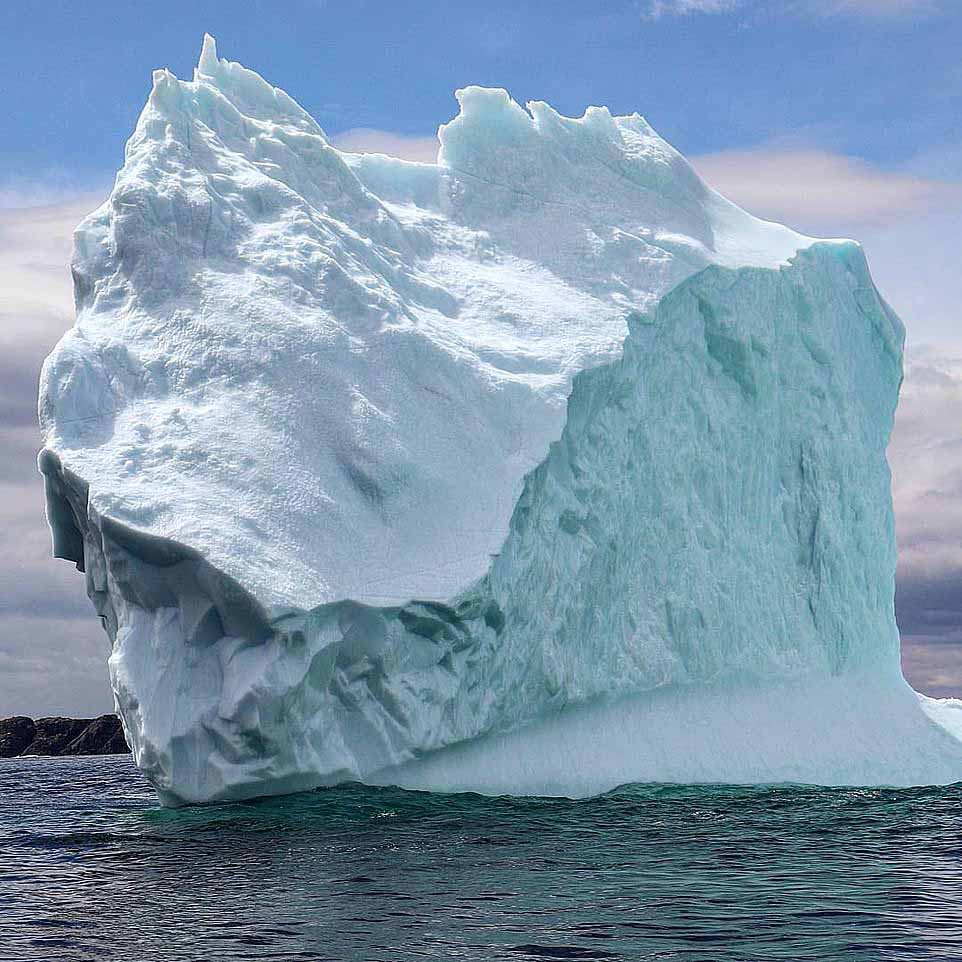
90,868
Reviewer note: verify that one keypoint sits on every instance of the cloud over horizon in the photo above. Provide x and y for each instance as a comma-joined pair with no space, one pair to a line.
809,187
367,140
52,649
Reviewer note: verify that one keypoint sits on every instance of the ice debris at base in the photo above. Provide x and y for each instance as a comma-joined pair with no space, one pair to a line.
540,469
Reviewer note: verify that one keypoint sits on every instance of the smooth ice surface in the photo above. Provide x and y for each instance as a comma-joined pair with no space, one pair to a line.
821,731
539,469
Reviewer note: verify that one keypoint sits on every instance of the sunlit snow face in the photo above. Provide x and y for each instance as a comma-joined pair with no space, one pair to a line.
433,309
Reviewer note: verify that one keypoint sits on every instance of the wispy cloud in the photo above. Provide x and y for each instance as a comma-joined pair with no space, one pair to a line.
933,665
870,8
879,9
367,140
813,188
37,303
655,9
49,188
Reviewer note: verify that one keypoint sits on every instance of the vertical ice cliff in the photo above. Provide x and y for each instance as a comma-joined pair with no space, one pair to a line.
538,469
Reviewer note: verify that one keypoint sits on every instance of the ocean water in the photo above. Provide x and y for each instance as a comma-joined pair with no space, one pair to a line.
91,868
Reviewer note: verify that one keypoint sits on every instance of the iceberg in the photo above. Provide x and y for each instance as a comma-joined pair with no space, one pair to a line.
540,469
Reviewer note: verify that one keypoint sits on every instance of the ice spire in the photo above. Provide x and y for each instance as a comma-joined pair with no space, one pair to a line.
208,62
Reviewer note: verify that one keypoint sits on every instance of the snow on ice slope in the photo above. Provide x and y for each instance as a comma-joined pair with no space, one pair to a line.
337,395
312,441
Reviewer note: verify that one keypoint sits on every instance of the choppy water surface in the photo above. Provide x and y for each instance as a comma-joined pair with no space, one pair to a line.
90,868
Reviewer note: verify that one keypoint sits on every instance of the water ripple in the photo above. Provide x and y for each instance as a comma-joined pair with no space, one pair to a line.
91,868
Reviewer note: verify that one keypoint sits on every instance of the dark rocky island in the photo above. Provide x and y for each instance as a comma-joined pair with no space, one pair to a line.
20,735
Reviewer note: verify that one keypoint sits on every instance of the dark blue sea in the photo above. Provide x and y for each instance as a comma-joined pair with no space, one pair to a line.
91,868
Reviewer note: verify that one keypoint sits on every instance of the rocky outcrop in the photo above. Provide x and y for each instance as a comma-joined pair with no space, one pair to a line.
102,736
16,734
20,735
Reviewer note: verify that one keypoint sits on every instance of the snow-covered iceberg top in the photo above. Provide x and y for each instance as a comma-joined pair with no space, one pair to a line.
366,459
331,374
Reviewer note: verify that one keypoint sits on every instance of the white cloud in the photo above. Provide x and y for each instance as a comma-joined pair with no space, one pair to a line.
655,9
675,8
366,140
871,8
812,188
35,245
50,188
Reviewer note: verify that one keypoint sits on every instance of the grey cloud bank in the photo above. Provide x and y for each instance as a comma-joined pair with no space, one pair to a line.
52,652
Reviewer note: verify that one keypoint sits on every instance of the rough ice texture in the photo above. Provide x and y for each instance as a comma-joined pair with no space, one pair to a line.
540,469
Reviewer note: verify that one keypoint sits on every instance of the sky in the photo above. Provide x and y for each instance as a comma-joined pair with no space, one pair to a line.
838,117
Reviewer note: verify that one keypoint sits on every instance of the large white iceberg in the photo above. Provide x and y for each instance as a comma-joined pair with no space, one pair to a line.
540,469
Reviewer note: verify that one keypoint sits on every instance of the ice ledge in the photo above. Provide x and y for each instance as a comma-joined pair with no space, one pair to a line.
223,699
866,726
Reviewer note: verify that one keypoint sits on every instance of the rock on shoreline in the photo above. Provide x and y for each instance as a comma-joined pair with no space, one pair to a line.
20,735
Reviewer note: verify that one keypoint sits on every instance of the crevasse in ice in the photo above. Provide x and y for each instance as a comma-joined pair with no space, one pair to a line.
540,469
